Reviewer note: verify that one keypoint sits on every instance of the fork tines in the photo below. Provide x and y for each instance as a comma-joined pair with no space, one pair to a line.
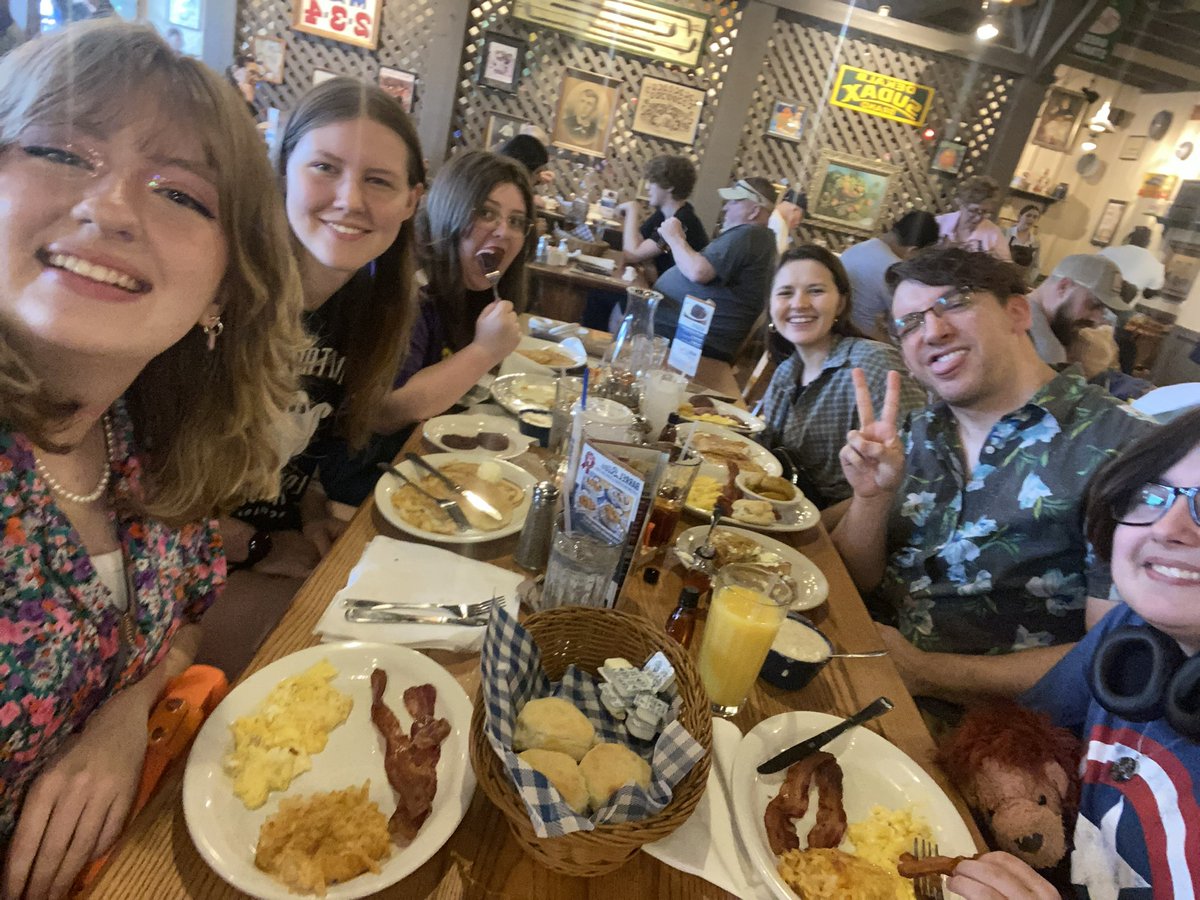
927,887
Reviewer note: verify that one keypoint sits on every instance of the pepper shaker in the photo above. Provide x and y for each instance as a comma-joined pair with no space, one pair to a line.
533,550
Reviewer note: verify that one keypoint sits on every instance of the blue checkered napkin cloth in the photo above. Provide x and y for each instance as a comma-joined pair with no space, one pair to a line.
511,666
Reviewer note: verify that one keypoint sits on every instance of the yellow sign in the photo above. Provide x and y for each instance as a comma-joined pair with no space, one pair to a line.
881,95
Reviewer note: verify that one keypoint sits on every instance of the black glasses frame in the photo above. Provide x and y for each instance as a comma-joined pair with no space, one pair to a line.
912,322
478,216
1172,494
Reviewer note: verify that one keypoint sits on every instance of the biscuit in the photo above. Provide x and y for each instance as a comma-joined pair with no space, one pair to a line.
551,723
753,512
562,772
608,767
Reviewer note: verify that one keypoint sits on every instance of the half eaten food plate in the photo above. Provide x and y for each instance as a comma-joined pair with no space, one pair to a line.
227,833
702,408
524,390
504,485
544,357
736,545
497,436
881,786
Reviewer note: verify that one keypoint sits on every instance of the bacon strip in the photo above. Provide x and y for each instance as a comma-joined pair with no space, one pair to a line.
830,827
792,803
910,867
410,760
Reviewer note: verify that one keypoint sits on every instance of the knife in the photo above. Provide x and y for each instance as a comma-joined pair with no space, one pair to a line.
470,496
796,753
391,617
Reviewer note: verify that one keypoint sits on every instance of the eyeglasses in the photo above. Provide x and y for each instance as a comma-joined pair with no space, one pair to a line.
745,185
489,218
1151,501
956,301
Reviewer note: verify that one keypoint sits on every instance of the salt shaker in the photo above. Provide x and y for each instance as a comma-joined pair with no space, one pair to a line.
533,550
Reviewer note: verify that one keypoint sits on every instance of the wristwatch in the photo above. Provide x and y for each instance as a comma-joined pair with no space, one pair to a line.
257,549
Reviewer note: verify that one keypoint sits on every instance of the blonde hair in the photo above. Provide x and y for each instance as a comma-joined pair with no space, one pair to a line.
206,423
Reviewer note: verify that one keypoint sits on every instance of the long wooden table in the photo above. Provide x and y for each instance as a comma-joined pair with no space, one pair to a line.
561,291
156,857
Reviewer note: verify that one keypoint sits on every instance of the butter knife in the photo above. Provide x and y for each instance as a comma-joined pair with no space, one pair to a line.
392,617
470,496
797,752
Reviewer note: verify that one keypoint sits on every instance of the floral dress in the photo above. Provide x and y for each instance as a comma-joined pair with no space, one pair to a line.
60,649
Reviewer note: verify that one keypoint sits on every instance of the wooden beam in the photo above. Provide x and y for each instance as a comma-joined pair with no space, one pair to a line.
1184,70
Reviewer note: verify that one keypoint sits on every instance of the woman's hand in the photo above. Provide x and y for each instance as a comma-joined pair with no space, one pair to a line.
77,805
999,876
498,330
873,459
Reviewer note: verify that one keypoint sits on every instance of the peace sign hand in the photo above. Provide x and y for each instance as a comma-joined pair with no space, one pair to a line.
873,460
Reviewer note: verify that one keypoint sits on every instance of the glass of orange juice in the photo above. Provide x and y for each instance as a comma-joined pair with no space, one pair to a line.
748,606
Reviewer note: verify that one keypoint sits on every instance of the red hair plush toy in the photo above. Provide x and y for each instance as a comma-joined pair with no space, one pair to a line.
1021,776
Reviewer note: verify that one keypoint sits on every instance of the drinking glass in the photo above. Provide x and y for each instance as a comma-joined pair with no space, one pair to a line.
605,420
748,605
668,502
567,389
663,392
579,571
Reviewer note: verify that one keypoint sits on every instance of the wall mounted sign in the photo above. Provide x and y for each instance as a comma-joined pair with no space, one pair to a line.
1098,41
667,110
881,95
354,22
662,31
1133,146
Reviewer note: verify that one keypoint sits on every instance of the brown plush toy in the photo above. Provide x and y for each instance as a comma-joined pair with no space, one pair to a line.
1020,774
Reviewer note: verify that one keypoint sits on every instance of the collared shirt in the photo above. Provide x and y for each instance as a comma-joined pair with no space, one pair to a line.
996,560
812,420
986,238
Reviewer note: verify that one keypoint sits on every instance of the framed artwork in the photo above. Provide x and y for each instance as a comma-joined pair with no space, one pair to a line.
1158,186
501,66
401,85
186,13
587,108
320,75
949,157
1133,146
787,120
1059,121
667,110
269,53
849,193
1106,225
349,21
501,128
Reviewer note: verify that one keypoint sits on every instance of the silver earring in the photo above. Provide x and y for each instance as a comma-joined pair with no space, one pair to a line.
212,331
771,326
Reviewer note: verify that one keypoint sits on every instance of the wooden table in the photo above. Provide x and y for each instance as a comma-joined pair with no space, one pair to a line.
157,859
561,291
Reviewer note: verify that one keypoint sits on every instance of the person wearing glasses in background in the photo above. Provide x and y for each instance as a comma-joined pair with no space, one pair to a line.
970,226
734,271
964,526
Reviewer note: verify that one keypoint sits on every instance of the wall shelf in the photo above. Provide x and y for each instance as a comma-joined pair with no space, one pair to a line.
1030,195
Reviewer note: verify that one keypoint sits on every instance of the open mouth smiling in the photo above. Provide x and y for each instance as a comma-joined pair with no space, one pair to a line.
94,271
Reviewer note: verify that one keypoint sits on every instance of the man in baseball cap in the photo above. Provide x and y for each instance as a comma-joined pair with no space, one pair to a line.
1077,294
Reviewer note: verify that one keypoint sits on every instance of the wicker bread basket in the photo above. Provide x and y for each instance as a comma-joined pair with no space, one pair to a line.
587,637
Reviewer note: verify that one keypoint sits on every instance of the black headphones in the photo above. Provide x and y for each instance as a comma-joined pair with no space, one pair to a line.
1140,674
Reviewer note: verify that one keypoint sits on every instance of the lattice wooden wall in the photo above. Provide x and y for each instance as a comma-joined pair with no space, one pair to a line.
801,62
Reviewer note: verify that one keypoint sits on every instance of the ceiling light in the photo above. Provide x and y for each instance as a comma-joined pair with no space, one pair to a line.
1088,145
987,29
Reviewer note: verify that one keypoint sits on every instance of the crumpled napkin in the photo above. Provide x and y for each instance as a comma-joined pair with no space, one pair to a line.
408,572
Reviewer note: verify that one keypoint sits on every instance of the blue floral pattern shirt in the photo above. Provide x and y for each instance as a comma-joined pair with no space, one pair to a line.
996,560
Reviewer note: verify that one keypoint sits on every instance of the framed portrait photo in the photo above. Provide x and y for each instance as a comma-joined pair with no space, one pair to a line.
500,129
1133,146
1059,121
401,85
667,110
269,53
787,120
587,108
1106,225
849,193
949,157
501,63
186,13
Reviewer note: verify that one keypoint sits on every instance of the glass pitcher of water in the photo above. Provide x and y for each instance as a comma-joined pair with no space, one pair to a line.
632,349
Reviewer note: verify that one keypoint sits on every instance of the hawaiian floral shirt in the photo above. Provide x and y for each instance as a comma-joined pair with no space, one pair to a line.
997,560
60,654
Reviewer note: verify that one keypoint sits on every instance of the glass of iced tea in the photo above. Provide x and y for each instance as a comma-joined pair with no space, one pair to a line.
748,605
668,502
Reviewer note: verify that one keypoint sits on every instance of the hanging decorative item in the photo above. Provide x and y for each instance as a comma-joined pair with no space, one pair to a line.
1159,124
849,193
881,95
355,22
667,110
587,107
1059,122
662,31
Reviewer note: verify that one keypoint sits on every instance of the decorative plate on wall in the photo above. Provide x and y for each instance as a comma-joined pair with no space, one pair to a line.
1088,164
1184,150
1159,124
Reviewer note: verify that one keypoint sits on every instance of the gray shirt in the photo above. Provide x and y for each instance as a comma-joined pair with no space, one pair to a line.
870,297
744,261
1047,344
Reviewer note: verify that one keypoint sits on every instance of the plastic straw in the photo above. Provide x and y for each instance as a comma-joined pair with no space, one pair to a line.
587,371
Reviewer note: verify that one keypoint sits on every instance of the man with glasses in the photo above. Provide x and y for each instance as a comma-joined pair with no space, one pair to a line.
734,271
1076,295
965,521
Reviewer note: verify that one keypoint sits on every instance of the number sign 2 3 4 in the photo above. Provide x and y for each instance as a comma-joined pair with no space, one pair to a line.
353,22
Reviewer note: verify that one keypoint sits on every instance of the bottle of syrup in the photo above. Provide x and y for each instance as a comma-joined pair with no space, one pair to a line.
681,624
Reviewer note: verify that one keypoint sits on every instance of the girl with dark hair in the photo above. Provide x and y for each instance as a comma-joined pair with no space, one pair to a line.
810,403
1023,242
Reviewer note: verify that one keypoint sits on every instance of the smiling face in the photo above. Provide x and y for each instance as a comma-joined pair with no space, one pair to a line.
804,303
348,192
1157,567
498,243
110,244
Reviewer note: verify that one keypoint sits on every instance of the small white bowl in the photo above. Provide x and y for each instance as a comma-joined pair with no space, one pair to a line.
746,479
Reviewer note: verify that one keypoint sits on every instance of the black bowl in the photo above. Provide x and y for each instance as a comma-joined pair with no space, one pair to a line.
784,671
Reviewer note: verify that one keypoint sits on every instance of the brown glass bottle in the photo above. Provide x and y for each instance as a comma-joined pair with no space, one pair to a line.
699,574
681,624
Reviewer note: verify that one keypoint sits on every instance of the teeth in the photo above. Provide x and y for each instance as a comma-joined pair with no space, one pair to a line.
95,272
345,229
1172,572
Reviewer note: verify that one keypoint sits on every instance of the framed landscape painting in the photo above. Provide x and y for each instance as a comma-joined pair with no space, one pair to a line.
849,193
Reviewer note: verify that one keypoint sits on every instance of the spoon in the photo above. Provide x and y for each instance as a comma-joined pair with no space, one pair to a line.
870,654
489,264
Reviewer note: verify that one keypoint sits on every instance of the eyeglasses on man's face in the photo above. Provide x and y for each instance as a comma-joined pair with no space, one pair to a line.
489,218
1151,501
956,301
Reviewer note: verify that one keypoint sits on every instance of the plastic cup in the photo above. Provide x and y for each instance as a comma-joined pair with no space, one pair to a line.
663,392
579,571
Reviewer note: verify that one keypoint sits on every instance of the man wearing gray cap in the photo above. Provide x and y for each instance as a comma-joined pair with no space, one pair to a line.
1075,295
734,271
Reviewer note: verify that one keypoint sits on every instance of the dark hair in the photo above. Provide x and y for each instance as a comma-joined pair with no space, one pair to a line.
764,187
527,150
1111,489
977,189
461,187
675,173
916,228
1027,207
778,346
1139,237
955,267
375,324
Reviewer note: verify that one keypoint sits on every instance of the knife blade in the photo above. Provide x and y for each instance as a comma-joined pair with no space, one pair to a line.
392,617
798,751
470,496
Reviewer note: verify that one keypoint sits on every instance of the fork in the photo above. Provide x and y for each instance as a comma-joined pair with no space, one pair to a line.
927,887
462,610
449,507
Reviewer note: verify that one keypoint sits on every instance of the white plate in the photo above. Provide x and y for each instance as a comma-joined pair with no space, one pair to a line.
389,483
468,425
518,362
876,773
226,833
757,452
800,517
749,424
523,390
555,328
812,588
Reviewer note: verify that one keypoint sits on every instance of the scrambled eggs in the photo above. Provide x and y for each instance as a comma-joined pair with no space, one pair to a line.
273,745
704,493
882,836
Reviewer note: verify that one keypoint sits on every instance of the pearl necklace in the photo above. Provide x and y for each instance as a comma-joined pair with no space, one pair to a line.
105,478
